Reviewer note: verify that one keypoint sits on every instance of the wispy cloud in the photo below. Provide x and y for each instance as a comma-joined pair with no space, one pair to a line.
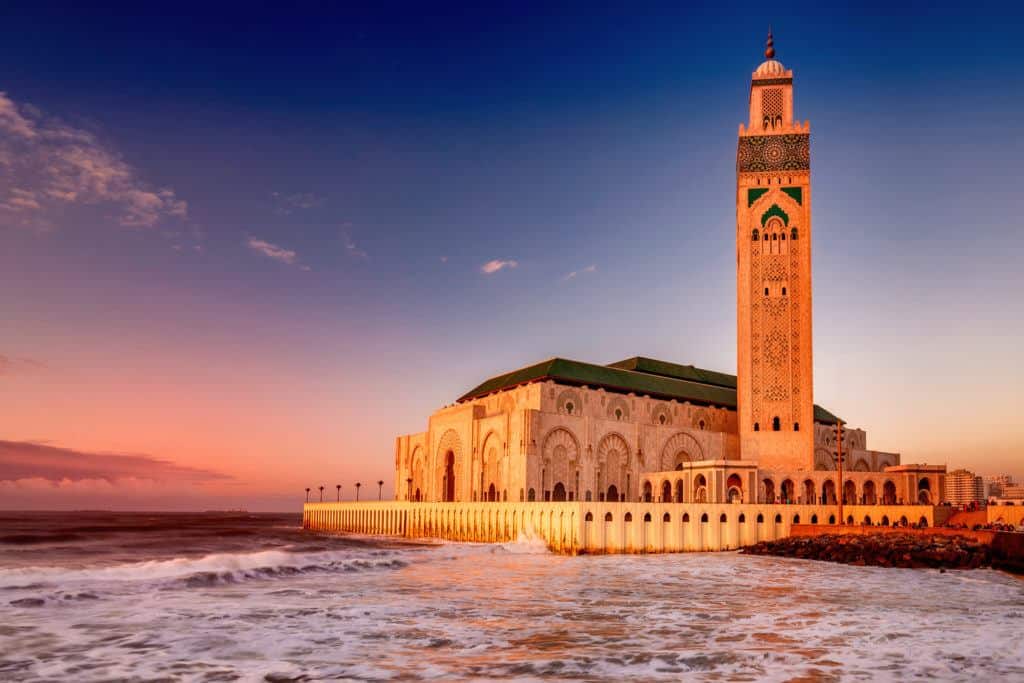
25,460
287,203
589,269
278,253
494,265
47,165
13,365
351,247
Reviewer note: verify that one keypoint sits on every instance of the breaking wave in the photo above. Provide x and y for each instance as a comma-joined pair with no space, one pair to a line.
217,568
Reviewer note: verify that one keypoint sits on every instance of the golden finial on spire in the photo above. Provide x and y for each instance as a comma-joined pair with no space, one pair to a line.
769,51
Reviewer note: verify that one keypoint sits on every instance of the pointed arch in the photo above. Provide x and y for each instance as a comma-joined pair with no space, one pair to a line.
449,469
615,463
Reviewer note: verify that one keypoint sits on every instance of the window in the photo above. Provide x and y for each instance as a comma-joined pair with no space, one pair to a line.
783,237
661,419
757,426
568,407
776,425
701,424
796,426
766,291
755,236
618,413
774,236
783,291
792,234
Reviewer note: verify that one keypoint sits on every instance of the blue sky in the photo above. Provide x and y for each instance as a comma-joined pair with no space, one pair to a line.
340,175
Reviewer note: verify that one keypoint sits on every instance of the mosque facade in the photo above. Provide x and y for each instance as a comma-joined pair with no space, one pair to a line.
648,430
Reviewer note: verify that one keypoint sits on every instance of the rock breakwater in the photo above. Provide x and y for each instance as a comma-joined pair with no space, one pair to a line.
917,551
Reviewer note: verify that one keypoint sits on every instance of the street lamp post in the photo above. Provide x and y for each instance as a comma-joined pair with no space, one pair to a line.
338,486
307,494
380,490
358,486
321,493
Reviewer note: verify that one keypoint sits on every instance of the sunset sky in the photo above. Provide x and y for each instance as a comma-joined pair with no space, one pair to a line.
245,249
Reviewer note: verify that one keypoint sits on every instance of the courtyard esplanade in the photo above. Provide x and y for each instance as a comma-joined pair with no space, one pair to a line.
569,430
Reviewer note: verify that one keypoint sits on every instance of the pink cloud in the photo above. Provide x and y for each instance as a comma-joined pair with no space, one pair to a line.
271,250
494,265
23,461
52,164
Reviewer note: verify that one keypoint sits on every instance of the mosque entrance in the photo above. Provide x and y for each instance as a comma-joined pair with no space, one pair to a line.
613,494
449,477
559,492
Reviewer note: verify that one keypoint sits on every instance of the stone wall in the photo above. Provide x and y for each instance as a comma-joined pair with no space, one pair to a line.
593,527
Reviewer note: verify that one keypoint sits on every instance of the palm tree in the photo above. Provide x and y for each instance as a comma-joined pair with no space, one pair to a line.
380,490
321,493
358,485
338,486
307,494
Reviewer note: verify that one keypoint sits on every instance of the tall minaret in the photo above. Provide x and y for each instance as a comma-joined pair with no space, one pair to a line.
773,276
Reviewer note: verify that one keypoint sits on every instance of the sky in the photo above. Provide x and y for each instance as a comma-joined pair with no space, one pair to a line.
241,249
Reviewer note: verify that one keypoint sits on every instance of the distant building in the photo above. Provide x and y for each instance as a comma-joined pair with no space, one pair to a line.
994,485
964,487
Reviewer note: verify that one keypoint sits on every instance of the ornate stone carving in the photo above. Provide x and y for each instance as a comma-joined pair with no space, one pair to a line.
791,152
679,448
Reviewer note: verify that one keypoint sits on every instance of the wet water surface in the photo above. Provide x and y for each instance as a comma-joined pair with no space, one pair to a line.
252,597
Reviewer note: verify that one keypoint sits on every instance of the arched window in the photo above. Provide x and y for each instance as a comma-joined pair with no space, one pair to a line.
531,496
701,424
686,517
589,517
766,291
783,291
796,426
760,518
628,517
778,519
755,235
704,517
757,426
568,407
618,413
647,517
743,518
792,234
607,516
814,519
782,237
666,518
776,425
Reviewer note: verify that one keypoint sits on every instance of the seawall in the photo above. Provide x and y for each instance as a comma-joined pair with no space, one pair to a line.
597,527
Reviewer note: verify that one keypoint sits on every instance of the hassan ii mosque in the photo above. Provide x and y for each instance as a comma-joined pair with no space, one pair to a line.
652,430
661,440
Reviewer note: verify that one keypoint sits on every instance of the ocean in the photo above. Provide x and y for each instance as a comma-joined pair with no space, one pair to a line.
99,596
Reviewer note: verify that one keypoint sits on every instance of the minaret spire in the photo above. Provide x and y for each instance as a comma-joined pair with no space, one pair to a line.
769,50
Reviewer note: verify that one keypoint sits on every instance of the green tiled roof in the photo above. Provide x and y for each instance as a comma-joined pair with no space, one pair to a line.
658,379
666,369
